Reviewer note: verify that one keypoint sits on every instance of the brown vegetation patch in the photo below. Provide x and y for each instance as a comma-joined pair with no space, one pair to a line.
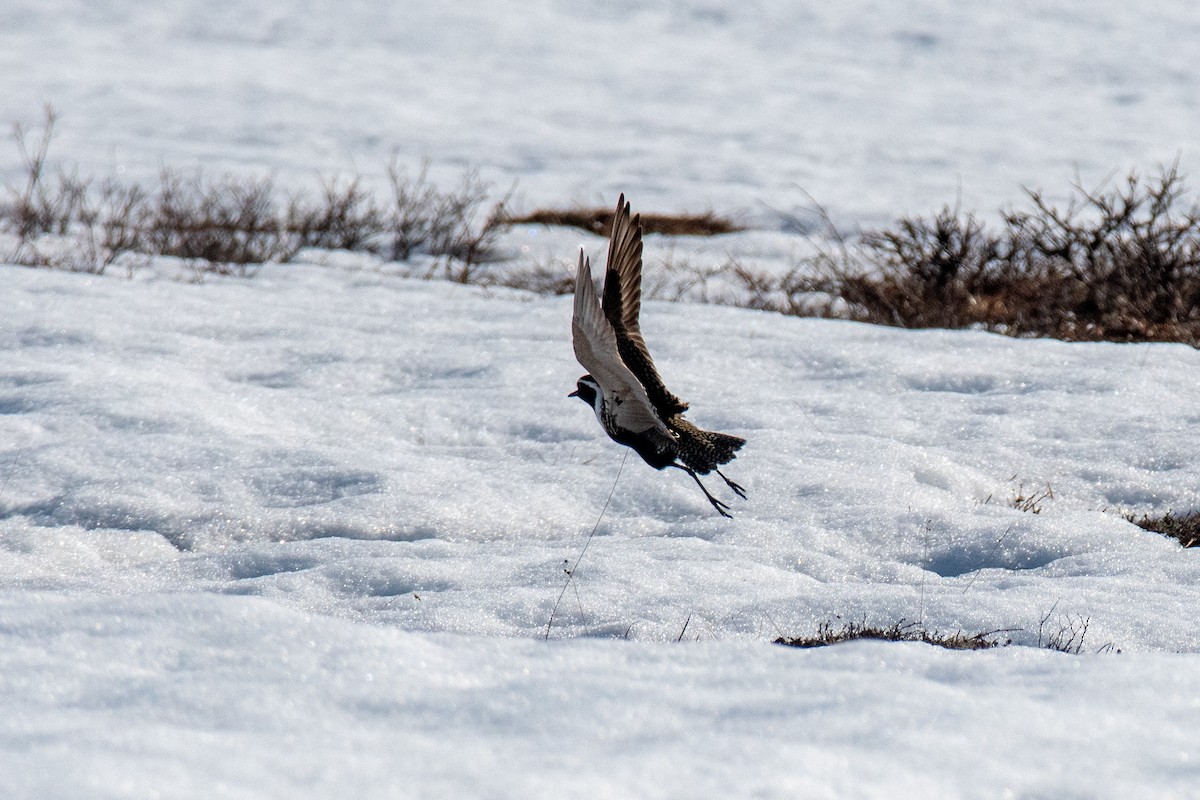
599,221
1117,263
897,632
1184,528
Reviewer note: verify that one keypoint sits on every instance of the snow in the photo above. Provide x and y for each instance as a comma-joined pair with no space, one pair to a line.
240,697
301,535
873,110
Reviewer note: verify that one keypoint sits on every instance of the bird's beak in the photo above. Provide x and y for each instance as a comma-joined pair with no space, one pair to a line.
573,394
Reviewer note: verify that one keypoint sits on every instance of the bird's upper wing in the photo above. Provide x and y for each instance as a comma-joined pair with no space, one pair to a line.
595,344
623,305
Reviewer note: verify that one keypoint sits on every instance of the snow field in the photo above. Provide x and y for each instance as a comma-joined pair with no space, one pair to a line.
301,535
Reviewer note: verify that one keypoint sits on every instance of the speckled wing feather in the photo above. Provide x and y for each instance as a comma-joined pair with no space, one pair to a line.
623,306
595,344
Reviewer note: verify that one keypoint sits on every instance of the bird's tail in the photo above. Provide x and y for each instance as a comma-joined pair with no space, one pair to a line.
724,446
704,450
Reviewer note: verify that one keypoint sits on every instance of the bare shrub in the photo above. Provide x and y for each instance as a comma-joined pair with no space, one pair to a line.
760,287
410,218
226,221
61,220
344,217
549,279
36,208
110,226
230,224
814,286
1130,253
428,220
1070,636
1119,262
454,231
1031,501
925,272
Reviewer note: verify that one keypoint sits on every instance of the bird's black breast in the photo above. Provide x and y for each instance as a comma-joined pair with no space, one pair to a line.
656,448
652,446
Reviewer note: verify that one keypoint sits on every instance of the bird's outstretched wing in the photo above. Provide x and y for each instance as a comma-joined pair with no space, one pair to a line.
595,344
623,306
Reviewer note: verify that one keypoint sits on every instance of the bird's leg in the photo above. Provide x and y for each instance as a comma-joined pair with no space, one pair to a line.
738,490
717,504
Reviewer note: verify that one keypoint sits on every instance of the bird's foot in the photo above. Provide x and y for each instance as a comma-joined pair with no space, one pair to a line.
721,508
737,489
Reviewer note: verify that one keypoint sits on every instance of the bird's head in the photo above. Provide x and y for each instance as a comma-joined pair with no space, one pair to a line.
587,390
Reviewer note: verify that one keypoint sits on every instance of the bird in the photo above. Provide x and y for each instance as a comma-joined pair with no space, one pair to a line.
622,385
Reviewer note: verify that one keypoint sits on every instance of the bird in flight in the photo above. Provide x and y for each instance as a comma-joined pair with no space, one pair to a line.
622,385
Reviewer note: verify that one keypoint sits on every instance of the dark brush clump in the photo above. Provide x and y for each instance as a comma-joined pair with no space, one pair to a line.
1184,528
599,221
232,224
897,632
1118,263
